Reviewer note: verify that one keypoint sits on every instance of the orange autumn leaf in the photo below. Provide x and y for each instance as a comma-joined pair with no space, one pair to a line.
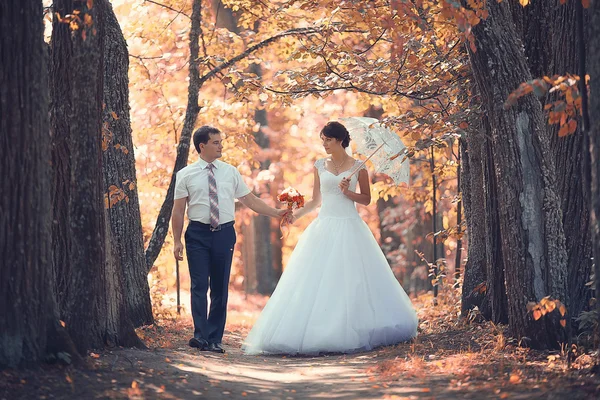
88,20
563,131
572,126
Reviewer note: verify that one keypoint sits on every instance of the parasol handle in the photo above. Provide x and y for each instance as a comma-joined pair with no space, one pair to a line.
364,162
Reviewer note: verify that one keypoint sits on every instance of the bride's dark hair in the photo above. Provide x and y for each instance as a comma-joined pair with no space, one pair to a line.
335,130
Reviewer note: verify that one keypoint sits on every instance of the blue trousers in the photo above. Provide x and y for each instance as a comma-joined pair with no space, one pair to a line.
209,255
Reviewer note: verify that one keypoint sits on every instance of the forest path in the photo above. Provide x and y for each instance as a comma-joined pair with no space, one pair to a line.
436,366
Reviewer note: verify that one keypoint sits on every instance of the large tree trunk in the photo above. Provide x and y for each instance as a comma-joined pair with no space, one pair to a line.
93,308
594,134
25,232
124,220
530,218
569,161
551,48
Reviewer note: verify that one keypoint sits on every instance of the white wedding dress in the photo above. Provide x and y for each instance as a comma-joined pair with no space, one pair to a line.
338,293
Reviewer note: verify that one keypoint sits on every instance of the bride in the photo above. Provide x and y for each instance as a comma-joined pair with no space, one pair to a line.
338,293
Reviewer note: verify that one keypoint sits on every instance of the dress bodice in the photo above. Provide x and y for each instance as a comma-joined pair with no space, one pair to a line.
334,203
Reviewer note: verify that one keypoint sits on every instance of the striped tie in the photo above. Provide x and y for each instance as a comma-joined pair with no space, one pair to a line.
213,198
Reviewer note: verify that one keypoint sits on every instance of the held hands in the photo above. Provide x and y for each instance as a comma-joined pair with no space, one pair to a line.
344,185
285,214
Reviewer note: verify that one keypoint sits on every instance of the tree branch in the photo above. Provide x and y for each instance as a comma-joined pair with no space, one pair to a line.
168,8
252,49
183,148
161,227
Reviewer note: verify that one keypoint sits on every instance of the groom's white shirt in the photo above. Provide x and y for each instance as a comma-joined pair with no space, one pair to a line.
192,182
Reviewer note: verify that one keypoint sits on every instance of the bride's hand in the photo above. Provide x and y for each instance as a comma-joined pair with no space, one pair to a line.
344,185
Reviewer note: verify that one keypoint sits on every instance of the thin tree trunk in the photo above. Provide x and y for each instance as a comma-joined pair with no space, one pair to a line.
248,257
125,226
530,218
262,271
183,147
266,270
25,251
459,208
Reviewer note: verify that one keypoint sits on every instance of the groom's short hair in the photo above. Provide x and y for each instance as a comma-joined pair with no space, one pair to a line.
202,135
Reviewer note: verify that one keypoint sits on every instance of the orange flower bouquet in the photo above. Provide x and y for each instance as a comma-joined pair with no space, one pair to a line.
293,200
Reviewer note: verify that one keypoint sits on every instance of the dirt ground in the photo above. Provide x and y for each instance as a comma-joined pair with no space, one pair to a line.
453,361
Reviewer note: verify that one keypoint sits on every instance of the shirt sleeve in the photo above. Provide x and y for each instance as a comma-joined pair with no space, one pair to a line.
240,187
181,190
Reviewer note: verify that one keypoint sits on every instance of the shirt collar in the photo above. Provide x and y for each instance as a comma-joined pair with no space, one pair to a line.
203,164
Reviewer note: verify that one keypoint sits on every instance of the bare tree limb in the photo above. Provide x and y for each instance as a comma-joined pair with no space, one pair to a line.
168,8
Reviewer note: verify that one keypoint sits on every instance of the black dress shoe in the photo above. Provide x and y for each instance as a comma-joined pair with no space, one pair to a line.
198,343
215,348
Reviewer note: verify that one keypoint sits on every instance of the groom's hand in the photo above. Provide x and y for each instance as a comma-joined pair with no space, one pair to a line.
282,213
178,251
292,218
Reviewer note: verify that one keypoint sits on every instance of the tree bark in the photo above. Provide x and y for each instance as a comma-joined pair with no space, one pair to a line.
530,218
474,290
124,219
551,48
570,166
60,114
594,135
25,229
494,261
93,309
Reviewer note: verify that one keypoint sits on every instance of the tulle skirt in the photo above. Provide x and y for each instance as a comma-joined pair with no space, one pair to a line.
337,294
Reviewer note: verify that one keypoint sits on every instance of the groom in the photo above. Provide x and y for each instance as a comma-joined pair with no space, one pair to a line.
208,188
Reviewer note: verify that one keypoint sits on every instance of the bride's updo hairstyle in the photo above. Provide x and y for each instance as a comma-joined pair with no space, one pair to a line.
337,131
